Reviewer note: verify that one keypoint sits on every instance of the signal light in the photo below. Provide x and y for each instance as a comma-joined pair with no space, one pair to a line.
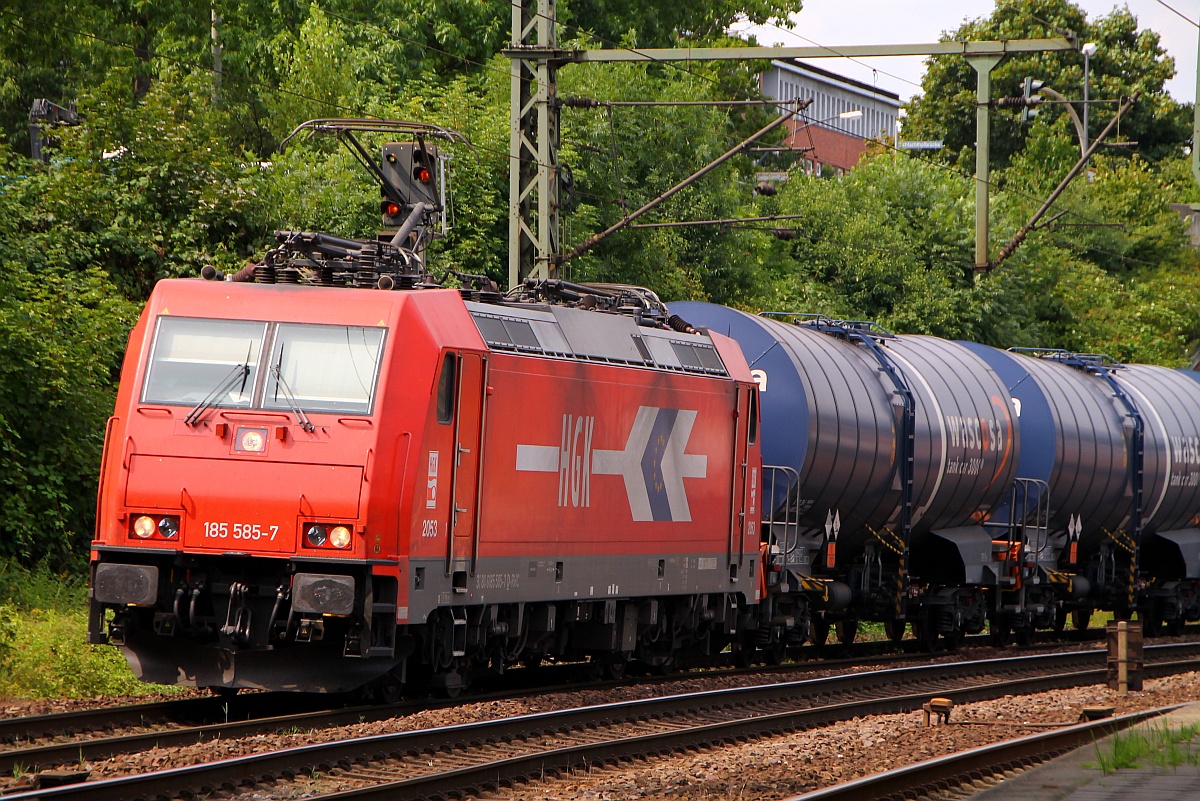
410,177
1029,98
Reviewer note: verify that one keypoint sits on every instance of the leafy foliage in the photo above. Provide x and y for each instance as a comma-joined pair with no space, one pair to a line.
1127,59
176,166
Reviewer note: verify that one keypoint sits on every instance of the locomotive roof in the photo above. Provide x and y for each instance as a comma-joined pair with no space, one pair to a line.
593,336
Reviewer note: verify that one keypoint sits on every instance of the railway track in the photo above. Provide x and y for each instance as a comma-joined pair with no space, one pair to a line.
32,743
971,770
460,759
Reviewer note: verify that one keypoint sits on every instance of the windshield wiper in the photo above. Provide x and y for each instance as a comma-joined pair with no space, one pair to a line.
239,371
276,371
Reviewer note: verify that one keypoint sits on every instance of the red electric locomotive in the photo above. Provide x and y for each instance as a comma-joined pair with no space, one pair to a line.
325,488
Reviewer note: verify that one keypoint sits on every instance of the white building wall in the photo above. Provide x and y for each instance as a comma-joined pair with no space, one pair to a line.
831,99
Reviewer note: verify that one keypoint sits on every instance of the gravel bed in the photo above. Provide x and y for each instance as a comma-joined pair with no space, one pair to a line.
768,769
810,760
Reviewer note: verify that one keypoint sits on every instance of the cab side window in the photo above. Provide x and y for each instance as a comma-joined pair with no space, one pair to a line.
445,391
752,426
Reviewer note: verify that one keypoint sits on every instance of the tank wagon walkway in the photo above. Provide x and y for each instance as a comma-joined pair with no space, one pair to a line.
1075,777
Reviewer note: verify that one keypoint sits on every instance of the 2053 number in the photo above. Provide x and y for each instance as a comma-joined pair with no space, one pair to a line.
240,531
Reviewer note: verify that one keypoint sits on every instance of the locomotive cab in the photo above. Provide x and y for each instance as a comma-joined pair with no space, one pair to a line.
236,514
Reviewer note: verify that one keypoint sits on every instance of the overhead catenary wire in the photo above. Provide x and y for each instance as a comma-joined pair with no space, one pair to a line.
1179,14
283,91
886,145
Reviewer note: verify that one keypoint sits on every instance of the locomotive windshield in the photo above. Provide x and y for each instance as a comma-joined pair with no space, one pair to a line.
323,367
193,358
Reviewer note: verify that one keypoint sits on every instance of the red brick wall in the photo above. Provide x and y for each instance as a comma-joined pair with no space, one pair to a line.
838,150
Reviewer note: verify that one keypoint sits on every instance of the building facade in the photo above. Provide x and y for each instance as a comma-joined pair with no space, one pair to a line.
825,140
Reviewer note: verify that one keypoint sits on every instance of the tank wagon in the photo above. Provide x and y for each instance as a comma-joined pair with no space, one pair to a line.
952,484
1114,446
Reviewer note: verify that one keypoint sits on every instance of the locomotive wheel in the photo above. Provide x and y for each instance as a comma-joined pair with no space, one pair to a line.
820,633
614,668
665,667
389,690
1080,619
894,629
847,630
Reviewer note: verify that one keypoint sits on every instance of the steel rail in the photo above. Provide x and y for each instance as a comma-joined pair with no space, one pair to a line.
200,719
819,701
948,772
247,715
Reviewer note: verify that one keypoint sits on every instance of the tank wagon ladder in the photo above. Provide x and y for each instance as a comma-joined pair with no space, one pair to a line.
786,619
869,337
1108,574
1019,549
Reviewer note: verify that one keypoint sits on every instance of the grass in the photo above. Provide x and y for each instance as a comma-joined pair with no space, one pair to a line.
44,651
1163,747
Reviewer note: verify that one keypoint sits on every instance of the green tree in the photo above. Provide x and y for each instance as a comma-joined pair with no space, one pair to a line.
61,338
1127,59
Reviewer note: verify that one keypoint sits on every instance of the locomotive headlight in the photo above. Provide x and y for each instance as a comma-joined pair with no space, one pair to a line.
144,527
339,537
316,535
168,527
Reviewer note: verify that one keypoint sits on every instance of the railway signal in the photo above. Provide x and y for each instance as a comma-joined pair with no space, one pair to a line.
1030,99
411,169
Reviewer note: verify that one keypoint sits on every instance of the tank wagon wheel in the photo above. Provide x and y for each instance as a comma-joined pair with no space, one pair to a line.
1152,623
955,639
1025,636
1175,626
820,633
927,637
1060,620
1001,634
1080,618
847,630
894,629
775,653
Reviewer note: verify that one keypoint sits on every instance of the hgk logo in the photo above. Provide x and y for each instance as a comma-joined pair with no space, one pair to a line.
653,463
